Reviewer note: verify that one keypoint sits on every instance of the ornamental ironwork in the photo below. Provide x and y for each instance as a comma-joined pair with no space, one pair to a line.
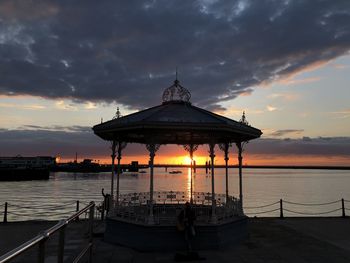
243,120
117,114
176,93
191,148
152,147
225,147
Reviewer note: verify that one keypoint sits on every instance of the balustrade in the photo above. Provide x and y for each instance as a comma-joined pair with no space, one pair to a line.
167,205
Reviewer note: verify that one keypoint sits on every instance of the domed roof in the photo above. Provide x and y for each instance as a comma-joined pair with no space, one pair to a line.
176,93
175,121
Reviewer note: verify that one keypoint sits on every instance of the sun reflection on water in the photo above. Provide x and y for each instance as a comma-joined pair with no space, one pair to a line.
188,190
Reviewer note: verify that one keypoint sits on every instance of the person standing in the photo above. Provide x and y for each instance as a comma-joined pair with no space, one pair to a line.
186,220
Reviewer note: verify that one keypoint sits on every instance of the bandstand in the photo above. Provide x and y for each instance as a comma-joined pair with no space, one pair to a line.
147,221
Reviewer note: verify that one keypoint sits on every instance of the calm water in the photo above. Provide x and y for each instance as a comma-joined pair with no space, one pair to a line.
55,197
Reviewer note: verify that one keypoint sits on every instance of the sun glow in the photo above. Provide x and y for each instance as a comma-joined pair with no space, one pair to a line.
186,160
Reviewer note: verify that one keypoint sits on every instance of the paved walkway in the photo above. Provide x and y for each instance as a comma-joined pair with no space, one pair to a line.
315,240
271,240
14,234
335,231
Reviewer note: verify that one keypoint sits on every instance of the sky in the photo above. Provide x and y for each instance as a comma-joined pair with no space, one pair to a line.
67,65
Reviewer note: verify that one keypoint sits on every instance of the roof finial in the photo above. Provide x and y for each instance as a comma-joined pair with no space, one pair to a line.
176,80
244,119
117,114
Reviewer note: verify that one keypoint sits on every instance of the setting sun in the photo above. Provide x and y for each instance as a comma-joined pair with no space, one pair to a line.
186,160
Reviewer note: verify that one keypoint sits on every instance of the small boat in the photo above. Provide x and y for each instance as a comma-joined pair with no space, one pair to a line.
130,173
175,172
142,172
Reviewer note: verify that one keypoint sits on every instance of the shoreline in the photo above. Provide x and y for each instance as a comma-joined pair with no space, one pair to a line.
108,168
306,167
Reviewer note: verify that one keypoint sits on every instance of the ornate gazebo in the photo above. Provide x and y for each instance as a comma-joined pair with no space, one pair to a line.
143,220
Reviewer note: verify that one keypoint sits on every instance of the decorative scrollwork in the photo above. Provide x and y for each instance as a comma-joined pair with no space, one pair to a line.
211,150
191,148
117,146
225,147
120,147
241,145
176,93
152,147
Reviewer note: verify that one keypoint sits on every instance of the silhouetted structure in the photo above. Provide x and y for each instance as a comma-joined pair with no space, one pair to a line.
21,168
175,121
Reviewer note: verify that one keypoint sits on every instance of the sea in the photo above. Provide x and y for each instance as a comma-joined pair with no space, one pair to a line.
303,192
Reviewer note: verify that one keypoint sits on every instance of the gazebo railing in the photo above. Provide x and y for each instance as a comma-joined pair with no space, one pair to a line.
171,197
167,206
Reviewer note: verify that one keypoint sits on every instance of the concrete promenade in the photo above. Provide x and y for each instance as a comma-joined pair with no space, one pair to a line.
270,240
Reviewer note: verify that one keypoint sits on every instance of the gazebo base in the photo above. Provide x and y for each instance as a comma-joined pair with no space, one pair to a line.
145,237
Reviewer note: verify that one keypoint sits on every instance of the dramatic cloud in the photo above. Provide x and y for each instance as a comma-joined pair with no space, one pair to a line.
127,51
59,128
330,146
65,141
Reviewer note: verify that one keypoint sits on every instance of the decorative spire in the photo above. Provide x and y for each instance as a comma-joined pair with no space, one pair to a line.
176,80
244,119
117,114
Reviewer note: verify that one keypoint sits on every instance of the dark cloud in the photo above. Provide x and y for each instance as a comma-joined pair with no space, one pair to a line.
331,146
77,139
74,128
51,142
280,133
306,139
127,51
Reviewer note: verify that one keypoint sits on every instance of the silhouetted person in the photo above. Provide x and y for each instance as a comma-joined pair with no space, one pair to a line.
186,220
106,201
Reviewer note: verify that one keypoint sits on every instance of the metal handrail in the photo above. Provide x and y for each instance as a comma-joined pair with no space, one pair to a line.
43,236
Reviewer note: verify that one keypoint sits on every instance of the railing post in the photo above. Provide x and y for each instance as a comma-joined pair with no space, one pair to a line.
91,220
77,209
41,255
102,214
281,208
5,213
91,225
343,207
61,242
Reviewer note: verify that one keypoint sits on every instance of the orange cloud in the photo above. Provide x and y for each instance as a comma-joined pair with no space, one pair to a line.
271,108
342,114
292,81
284,96
26,107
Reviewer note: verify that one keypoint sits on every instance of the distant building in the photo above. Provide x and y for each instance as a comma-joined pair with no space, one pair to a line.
29,162
134,166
